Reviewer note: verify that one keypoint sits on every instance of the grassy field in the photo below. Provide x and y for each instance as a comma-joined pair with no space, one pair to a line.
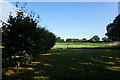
72,64
83,45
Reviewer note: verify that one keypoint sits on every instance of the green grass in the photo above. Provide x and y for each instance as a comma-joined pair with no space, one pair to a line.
75,64
82,45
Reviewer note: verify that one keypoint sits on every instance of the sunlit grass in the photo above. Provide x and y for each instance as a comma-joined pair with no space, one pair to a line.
114,68
1,46
41,78
87,63
47,64
82,45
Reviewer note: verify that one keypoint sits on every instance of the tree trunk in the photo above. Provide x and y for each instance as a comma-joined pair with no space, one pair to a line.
18,65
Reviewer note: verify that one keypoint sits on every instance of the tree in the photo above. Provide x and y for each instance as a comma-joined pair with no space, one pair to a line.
75,40
92,40
84,39
105,39
96,38
62,40
17,36
22,35
68,40
58,39
72,40
43,40
113,29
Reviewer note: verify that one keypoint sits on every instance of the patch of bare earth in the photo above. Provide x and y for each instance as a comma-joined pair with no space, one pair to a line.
31,66
13,70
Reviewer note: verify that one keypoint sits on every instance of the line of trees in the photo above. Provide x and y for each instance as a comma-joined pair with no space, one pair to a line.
23,37
93,39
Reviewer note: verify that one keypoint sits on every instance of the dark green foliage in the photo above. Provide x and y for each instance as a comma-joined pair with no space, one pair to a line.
92,40
16,36
75,40
95,39
106,39
58,39
72,40
84,39
43,40
21,36
113,29
68,40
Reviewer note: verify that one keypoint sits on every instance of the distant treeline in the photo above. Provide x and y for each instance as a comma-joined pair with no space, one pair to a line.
93,39
113,34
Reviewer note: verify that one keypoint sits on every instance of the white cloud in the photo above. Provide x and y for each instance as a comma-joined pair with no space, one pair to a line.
6,8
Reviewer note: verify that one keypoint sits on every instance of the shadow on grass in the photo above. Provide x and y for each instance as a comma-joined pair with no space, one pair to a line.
74,64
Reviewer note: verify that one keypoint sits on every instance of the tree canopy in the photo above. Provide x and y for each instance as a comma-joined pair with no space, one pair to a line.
84,39
58,39
95,39
22,35
105,39
113,29
72,40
